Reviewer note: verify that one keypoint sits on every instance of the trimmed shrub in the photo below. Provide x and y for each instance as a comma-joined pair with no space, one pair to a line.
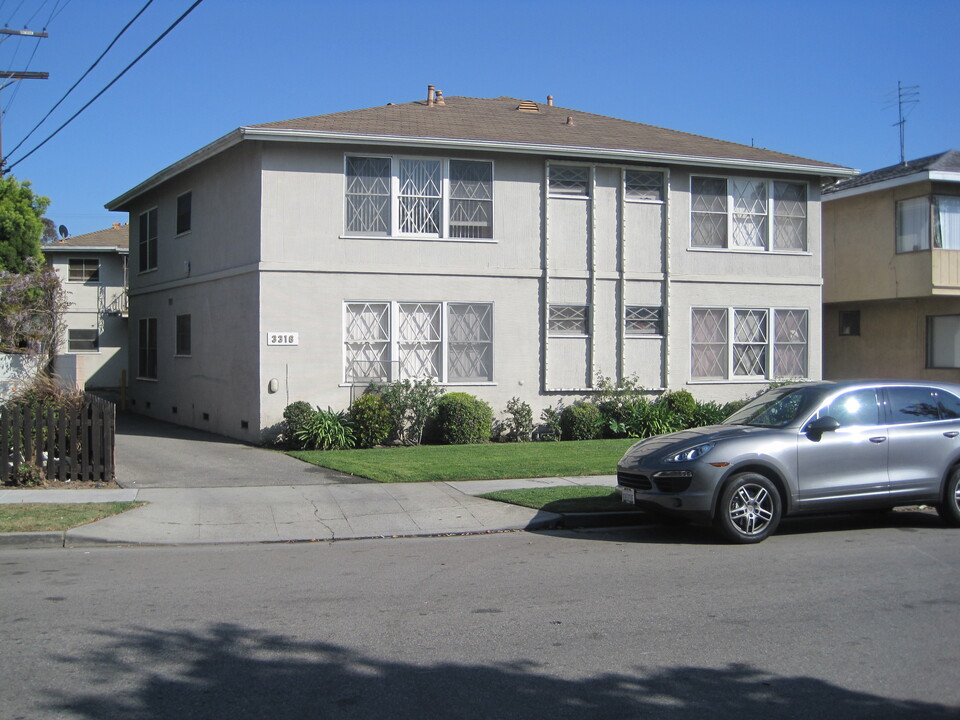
326,430
519,423
295,418
463,419
581,421
412,404
550,430
371,420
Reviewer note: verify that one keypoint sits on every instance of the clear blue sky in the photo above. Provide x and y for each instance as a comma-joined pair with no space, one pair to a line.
812,78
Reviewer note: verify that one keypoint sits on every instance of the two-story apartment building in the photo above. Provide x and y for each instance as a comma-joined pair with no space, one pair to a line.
891,272
505,247
93,270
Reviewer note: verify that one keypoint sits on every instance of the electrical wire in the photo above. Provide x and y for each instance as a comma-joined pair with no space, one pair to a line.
107,87
88,71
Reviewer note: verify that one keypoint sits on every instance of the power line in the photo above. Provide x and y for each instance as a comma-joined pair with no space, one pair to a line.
108,86
88,71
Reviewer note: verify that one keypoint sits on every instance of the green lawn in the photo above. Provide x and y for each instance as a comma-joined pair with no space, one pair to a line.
565,499
37,517
492,461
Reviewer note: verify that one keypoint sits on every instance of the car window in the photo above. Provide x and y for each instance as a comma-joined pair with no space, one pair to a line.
858,407
776,408
949,405
913,404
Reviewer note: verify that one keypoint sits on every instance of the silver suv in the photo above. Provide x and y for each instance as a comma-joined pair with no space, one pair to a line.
806,448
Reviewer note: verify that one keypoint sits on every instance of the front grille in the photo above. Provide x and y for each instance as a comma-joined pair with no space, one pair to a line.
634,480
673,484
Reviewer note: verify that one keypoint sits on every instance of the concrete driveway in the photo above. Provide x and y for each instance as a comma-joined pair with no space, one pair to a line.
156,454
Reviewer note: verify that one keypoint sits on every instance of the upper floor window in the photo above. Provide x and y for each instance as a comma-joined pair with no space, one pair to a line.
148,240
569,180
643,185
644,320
84,270
748,213
568,320
425,197
925,219
184,212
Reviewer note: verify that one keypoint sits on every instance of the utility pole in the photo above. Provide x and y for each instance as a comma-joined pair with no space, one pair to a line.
14,75
906,95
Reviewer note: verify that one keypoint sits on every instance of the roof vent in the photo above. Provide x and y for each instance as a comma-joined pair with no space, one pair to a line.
440,98
528,106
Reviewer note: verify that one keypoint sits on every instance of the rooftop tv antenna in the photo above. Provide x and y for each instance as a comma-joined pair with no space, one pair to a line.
906,95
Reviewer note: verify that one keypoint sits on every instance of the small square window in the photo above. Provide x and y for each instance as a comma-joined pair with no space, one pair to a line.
184,212
643,320
84,270
643,185
572,180
849,322
83,341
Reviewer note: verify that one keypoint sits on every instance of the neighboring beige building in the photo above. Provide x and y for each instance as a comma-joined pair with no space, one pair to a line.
505,247
891,272
93,269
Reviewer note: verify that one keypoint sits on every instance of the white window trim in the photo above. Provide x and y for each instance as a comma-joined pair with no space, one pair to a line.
591,182
395,233
645,201
770,353
394,342
639,336
768,248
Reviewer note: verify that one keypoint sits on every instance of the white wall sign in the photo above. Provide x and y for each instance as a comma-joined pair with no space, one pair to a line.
283,338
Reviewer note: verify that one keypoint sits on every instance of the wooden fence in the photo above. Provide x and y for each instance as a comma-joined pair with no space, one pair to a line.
70,443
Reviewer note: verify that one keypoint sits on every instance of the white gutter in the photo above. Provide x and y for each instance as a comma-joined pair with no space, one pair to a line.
922,176
314,136
84,248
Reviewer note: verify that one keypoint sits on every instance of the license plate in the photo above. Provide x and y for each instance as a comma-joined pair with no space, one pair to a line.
627,495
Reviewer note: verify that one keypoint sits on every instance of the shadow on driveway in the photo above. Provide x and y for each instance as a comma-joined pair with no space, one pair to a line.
156,454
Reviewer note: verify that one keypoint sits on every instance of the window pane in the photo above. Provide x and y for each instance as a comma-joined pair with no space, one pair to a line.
709,343
470,342
790,344
569,320
749,213
183,335
910,404
790,216
419,340
750,343
368,195
642,320
849,322
913,225
947,219
708,217
147,247
642,185
420,200
471,199
84,270
949,405
83,340
184,210
854,408
147,347
569,180
367,340
943,341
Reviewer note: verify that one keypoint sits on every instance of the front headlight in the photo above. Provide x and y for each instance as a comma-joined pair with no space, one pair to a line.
698,451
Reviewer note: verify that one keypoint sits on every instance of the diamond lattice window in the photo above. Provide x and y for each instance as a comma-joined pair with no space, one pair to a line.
471,199
790,344
750,343
790,216
708,217
367,337
749,213
419,340
709,343
470,331
643,185
420,196
368,195
569,180
643,320
569,320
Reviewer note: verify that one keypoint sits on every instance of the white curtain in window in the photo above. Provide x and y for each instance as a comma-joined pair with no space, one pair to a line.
913,225
944,341
948,223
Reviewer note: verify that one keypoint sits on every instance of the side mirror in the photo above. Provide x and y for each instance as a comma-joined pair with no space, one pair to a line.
815,429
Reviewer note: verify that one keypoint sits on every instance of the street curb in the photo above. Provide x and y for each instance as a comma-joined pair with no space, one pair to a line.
32,540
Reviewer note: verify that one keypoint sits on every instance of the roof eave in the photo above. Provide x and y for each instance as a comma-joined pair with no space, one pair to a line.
84,248
923,176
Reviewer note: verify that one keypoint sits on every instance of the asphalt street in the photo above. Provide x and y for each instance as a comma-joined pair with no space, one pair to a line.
845,617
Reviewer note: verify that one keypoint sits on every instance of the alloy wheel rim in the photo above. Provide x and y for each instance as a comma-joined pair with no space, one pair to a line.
751,509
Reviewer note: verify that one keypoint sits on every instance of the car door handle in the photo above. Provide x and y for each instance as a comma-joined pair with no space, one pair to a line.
951,434
878,440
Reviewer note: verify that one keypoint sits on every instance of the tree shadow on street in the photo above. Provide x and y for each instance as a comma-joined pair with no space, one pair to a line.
228,671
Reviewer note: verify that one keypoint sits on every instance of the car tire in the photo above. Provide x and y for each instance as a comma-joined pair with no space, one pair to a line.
749,509
949,507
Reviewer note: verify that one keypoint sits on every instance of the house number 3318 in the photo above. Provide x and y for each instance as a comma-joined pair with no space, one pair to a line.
283,338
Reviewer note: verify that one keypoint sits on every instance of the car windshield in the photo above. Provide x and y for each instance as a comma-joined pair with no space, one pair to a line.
777,408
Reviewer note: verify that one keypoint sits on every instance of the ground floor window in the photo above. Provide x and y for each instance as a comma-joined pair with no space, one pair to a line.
147,348
83,340
943,341
742,343
388,341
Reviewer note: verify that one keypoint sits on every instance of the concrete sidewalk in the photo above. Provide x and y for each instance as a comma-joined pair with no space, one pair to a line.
292,513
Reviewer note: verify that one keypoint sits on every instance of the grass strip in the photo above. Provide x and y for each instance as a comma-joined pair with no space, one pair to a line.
564,499
39,517
492,461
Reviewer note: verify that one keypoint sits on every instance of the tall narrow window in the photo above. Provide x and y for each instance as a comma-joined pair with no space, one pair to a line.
147,347
367,335
471,199
790,344
709,343
420,199
147,246
85,270
913,225
750,343
419,341
789,216
184,212
368,195
749,213
946,216
183,335
470,342
709,212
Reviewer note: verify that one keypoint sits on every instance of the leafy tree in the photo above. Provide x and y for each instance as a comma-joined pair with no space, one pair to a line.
21,225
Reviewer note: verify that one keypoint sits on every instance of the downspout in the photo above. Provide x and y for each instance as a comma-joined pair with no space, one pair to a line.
667,214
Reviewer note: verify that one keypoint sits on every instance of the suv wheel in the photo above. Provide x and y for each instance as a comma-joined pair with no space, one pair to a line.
949,507
749,508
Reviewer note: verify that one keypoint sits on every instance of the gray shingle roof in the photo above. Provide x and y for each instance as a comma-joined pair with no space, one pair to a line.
948,161
498,120
117,236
